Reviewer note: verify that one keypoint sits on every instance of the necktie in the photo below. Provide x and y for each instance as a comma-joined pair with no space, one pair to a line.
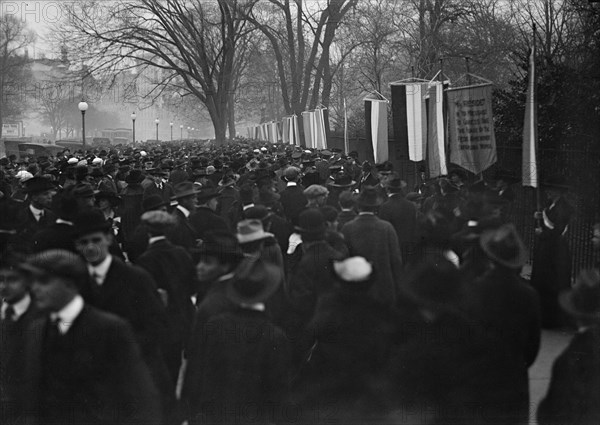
9,313
97,278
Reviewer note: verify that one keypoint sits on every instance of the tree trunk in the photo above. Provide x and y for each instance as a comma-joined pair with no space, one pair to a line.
231,117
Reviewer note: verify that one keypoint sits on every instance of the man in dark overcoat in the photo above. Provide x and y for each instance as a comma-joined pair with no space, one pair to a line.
83,365
36,214
183,233
292,198
374,239
205,219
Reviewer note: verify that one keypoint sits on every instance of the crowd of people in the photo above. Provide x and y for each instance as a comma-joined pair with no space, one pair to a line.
252,284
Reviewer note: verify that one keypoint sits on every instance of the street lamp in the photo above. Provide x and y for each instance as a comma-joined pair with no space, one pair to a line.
181,132
157,121
23,130
83,106
171,124
133,117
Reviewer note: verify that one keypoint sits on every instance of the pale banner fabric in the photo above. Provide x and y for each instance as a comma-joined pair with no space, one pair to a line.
307,118
530,171
436,153
379,130
416,119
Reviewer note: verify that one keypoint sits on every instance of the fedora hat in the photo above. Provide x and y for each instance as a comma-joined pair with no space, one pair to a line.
369,197
184,189
583,299
341,179
38,184
259,212
153,202
397,185
311,221
84,190
112,197
251,230
221,244
254,282
90,221
504,246
206,194
134,176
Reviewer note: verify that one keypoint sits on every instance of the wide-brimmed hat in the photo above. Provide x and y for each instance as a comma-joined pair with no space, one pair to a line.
251,230
134,176
557,181
221,244
369,197
207,193
254,282
184,189
112,197
504,246
37,185
341,179
583,299
84,190
311,221
90,221
153,202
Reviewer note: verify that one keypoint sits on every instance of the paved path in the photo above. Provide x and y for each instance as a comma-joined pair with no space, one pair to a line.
553,343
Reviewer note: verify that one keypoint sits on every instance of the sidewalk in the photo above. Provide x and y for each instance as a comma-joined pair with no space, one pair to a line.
553,343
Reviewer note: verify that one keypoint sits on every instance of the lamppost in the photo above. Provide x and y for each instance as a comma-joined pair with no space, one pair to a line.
171,124
181,132
83,106
133,117
157,121
23,130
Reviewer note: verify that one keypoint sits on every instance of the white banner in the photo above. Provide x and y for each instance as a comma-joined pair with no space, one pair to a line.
416,119
379,130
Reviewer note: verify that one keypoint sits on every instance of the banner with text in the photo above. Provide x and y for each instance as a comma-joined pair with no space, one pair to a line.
471,128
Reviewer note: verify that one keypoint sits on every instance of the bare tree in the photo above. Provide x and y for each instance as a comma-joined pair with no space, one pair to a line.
14,38
194,45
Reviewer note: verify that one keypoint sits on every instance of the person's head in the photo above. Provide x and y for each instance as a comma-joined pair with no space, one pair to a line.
369,199
154,203
248,194
158,222
311,225
555,186
218,255
93,235
84,193
316,195
14,284
185,195
504,247
331,215
40,191
208,198
291,174
347,200
55,278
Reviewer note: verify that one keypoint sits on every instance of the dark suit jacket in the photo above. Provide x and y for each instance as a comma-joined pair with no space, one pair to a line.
374,239
165,193
293,202
173,270
94,374
205,220
108,184
403,216
28,226
235,370
182,234
13,337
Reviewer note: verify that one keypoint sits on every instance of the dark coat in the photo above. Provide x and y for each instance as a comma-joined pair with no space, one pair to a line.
108,184
551,268
345,217
293,202
132,196
94,374
55,236
229,196
13,337
574,391
234,370
506,306
403,216
374,239
28,226
205,220
165,193
183,233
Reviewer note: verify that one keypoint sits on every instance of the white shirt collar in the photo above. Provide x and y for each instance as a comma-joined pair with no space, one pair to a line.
184,210
68,314
255,307
101,269
292,184
245,207
20,307
366,213
36,212
61,221
155,239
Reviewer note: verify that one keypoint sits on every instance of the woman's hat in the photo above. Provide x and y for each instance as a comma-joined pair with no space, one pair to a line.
353,271
583,299
251,230
504,246
341,179
369,197
254,282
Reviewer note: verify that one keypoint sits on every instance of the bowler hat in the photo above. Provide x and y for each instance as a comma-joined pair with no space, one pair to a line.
583,299
38,184
369,197
504,246
153,202
56,262
134,176
113,198
206,194
90,221
184,189
396,185
341,179
311,221
254,282
259,212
